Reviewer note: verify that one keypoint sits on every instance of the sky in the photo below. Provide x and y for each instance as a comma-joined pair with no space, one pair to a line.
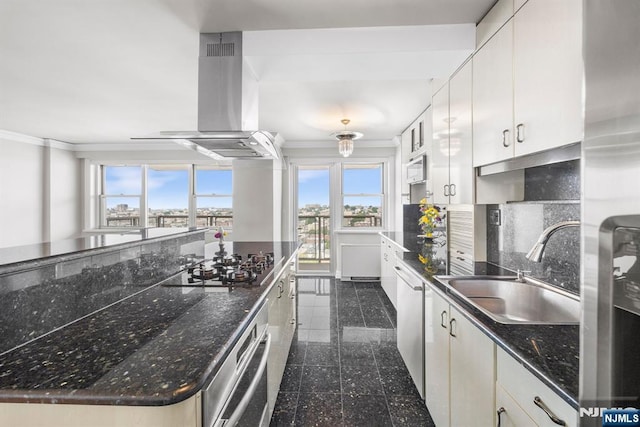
168,189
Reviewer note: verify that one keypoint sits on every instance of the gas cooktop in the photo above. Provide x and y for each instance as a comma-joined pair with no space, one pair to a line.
226,270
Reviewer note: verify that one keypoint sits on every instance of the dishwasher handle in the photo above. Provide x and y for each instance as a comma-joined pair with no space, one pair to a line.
407,280
251,390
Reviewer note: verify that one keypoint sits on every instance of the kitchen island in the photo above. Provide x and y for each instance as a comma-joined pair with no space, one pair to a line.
141,360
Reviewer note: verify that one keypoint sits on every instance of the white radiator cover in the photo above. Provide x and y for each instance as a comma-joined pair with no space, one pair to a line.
360,261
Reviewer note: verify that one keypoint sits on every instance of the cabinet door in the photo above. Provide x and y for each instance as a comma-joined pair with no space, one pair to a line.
439,161
472,373
509,413
493,98
548,75
277,359
461,176
436,357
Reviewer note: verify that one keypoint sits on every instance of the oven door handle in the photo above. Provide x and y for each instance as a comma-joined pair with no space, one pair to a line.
244,402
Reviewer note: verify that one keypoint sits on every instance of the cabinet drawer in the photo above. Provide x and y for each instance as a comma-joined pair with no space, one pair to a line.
524,387
509,413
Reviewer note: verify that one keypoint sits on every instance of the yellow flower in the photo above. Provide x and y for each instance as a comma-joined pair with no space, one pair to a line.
422,259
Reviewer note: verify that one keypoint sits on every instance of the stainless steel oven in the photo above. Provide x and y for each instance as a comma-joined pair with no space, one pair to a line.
237,395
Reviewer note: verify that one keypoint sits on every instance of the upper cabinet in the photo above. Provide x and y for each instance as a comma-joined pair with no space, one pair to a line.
547,62
493,98
451,161
527,83
414,138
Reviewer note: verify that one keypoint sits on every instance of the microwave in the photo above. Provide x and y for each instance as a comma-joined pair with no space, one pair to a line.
417,170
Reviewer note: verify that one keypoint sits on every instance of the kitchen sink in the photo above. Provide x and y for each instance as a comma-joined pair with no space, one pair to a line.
507,300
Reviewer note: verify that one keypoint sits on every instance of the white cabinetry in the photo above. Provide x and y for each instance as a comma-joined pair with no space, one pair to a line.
547,62
282,324
459,366
415,142
527,82
452,166
493,98
520,391
388,250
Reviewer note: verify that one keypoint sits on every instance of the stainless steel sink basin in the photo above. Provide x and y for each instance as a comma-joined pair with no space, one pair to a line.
507,300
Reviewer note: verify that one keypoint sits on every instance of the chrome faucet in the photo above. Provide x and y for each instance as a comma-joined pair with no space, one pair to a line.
535,254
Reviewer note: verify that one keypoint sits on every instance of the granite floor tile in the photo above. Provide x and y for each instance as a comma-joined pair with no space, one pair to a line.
370,411
291,378
319,409
409,411
346,370
387,354
284,413
356,354
396,381
322,355
297,352
320,379
361,380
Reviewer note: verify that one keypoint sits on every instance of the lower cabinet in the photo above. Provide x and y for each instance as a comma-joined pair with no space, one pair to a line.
282,325
520,393
387,262
459,367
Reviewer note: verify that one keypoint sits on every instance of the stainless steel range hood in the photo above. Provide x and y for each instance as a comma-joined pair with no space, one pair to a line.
227,105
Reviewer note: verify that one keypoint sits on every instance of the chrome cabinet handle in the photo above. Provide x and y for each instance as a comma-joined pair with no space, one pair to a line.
452,322
540,404
452,189
442,318
280,289
519,128
251,390
446,190
500,411
505,142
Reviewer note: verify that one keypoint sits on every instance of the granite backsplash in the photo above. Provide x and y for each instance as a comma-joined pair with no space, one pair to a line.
48,294
552,194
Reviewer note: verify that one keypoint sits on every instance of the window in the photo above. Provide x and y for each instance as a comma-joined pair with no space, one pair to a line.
213,191
122,192
362,195
160,196
168,196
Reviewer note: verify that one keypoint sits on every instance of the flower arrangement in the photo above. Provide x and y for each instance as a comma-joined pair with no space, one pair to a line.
430,218
220,234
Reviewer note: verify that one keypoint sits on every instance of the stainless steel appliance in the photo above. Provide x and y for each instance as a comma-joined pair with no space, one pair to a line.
609,349
417,170
237,395
410,321
227,105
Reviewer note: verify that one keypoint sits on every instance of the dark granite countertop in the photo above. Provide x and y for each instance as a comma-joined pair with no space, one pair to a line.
550,352
16,257
156,347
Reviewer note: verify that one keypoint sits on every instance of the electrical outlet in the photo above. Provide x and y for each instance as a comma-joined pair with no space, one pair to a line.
494,217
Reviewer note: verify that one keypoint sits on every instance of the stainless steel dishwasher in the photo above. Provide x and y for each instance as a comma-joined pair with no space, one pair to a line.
410,288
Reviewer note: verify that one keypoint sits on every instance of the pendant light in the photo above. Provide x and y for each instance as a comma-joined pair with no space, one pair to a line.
346,138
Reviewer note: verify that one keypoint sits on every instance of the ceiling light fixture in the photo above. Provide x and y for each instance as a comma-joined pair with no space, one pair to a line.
346,138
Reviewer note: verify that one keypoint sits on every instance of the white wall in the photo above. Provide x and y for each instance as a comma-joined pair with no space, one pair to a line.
39,191
66,185
257,200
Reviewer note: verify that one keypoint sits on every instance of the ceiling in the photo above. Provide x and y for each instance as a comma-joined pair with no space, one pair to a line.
102,71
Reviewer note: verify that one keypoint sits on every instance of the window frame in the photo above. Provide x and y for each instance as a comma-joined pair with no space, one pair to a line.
143,218
383,195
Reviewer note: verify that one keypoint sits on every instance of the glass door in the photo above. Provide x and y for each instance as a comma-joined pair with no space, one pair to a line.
314,218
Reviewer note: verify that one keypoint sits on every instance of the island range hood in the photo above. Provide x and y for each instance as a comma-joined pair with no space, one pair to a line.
227,105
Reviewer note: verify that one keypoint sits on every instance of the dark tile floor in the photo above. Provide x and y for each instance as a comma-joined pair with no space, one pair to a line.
344,368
